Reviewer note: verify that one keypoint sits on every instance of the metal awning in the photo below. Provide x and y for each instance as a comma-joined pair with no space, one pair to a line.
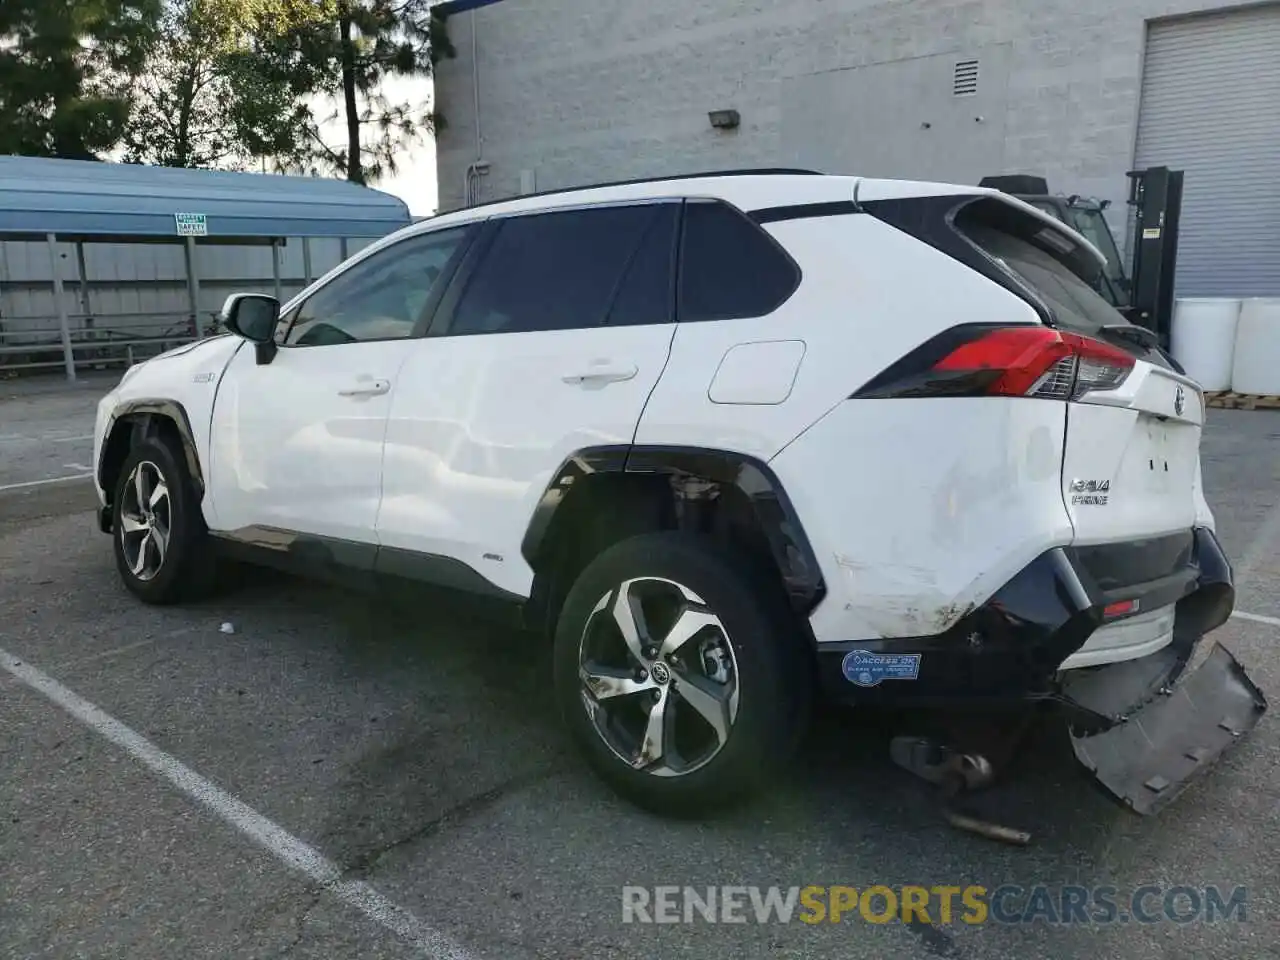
88,201
82,201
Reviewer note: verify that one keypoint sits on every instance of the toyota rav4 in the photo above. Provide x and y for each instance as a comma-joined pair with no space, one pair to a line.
734,441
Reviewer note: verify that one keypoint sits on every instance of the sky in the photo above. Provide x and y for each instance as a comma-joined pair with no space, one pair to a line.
415,183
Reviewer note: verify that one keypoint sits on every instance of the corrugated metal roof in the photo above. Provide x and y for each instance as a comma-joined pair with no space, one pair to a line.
79,199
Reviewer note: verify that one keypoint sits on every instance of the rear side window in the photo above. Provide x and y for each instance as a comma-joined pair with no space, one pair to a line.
558,271
729,267
1048,262
647,293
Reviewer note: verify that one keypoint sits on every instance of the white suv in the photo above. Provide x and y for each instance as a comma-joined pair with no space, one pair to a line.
734,439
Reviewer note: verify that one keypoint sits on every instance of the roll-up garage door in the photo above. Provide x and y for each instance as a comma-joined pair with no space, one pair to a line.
1211,107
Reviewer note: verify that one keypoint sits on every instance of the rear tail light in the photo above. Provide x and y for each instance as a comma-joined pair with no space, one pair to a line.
986,361
1121,608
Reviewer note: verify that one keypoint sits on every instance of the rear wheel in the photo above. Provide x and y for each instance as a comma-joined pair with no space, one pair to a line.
162,546
680,673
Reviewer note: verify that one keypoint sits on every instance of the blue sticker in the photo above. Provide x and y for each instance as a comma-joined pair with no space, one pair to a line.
867,669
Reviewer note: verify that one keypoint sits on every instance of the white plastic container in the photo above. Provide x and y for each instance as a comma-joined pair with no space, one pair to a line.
1204,339
1257,361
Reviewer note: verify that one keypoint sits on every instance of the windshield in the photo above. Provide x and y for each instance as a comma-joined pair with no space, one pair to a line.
1045,260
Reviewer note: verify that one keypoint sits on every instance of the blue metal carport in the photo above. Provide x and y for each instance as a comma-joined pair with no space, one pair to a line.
86,202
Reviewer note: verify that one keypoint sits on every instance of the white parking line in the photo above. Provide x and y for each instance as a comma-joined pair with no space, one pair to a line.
41,483
1256,618
282,845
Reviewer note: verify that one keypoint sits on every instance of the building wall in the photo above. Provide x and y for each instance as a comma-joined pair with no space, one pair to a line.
586,90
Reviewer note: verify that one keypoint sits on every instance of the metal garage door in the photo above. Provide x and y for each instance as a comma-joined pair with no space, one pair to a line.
1211,107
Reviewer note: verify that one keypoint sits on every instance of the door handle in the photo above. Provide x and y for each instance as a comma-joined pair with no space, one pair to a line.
367,388
610,373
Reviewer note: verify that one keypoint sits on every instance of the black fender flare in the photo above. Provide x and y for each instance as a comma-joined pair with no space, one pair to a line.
154,407
788,543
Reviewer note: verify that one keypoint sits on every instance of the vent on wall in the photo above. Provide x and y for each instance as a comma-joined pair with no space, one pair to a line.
964,82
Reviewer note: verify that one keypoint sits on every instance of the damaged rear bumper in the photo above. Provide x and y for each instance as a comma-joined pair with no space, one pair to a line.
1143,734
1150,752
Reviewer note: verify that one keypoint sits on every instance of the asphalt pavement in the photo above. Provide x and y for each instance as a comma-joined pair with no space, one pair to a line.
342,776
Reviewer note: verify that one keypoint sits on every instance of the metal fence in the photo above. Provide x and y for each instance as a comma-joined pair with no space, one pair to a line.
83,305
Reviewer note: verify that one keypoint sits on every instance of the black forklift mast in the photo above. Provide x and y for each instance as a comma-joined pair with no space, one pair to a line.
1156,196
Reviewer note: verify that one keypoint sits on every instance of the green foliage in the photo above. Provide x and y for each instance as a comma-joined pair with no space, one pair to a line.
345,58
217,83
197,105
66,72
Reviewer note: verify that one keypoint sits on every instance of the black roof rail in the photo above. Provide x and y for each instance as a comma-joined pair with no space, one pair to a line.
706,174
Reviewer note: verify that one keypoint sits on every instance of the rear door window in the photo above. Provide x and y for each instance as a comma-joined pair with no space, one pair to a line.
647,293
729,267
560,270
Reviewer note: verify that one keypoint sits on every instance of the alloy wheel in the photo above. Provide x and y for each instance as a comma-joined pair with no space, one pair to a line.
659,677
146,521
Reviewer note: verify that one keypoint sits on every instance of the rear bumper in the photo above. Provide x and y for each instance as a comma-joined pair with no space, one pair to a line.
1012,648
1142,734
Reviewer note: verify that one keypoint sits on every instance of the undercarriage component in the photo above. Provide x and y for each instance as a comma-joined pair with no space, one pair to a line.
984,828
958,772
940,765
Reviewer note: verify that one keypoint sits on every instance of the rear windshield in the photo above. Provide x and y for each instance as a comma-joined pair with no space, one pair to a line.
1058,270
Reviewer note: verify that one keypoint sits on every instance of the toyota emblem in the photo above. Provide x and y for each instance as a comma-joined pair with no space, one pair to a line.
1179,401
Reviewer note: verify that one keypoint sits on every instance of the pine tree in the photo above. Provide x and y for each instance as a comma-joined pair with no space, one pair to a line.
345,57
66,72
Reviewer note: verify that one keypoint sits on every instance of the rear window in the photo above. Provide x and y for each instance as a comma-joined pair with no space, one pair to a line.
1048,262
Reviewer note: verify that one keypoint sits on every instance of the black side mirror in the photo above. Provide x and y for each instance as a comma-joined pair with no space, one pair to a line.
253,316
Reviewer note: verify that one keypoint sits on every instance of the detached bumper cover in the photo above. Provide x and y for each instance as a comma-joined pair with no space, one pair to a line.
1147,759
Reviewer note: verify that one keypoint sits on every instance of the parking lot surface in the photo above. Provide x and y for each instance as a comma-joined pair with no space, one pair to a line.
415,753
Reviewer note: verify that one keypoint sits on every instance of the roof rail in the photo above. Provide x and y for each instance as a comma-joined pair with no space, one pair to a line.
745,172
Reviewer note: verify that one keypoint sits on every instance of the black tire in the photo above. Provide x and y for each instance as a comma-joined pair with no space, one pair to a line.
769,662
187,569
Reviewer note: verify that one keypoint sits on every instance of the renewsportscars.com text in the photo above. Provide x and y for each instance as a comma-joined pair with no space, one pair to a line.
941,904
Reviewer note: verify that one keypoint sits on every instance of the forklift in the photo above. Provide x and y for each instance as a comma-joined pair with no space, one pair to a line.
1145,294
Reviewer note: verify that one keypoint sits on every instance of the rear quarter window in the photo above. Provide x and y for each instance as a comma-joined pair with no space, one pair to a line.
729,267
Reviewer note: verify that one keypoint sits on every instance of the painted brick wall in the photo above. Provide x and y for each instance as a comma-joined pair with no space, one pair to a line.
589,90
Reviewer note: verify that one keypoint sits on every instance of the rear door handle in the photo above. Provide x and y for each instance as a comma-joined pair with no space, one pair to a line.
367,388
605,373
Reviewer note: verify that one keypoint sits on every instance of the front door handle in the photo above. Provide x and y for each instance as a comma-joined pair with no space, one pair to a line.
605,373
367,388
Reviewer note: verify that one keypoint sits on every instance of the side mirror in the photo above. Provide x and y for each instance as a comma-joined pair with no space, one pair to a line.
251,315
254,316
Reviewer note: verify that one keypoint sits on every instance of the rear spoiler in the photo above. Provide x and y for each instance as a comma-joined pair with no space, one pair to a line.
867,190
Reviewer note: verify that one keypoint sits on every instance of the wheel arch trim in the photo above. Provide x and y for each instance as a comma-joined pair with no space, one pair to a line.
170,410
752,477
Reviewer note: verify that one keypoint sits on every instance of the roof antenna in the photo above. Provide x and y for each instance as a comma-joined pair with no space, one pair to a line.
857,184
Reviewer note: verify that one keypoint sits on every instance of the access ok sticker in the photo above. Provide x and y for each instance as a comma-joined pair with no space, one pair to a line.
866,669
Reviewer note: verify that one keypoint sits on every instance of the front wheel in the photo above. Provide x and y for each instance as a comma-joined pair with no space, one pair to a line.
680,673
162,547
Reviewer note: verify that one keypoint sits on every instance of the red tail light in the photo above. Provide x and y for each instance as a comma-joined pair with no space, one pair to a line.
1026,361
